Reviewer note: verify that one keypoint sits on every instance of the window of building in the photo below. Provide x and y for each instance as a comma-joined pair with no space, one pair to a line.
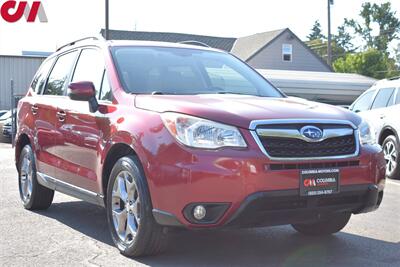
287,52
60,74
382,98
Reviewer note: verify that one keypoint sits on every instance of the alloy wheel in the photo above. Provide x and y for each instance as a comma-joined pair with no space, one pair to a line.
125,207
390,156
26,174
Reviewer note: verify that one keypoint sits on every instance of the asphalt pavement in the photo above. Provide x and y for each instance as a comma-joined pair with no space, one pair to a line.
74,233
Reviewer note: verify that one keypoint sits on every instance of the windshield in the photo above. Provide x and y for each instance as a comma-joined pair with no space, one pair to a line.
182,71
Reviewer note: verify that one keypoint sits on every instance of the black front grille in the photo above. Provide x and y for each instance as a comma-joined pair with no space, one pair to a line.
297,148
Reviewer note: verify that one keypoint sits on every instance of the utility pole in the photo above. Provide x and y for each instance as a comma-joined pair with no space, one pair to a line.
106,35
330,2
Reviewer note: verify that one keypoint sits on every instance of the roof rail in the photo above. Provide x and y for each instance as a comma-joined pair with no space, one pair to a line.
79,40
193,42
394,78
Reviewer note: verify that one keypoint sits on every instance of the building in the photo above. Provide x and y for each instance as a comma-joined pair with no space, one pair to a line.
327,87
276,50
21,70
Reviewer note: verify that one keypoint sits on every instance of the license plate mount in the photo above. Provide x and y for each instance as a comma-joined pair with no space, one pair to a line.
316,182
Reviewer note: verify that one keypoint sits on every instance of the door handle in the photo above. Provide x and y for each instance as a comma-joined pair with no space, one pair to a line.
34,109
382,117
61,115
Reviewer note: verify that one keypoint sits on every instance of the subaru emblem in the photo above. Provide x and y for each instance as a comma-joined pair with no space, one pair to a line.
311,133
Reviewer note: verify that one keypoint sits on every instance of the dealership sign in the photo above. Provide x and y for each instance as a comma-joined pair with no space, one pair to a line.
13,11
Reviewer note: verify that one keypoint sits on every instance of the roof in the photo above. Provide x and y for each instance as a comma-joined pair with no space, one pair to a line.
246,47
223,43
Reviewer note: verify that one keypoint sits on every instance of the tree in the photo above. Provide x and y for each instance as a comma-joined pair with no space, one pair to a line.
344,39
384,18
316,32
320,46
372,63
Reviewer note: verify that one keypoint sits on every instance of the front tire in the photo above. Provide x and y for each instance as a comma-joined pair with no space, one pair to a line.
325,227
129,211
33,195
391,151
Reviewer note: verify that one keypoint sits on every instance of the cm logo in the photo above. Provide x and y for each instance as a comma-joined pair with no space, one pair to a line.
12,11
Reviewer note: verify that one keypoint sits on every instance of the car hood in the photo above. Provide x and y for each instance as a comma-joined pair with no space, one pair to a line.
240,110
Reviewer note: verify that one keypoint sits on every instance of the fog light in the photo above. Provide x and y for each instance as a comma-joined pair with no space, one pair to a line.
199,212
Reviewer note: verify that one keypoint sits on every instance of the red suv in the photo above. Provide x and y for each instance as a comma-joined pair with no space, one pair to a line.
174,135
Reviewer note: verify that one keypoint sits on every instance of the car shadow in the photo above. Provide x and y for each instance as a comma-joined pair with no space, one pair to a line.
272,246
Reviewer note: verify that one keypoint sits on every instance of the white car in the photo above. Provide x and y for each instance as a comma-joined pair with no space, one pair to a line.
380,106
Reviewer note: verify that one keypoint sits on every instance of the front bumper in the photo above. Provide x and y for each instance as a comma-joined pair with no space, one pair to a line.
231,177
287,207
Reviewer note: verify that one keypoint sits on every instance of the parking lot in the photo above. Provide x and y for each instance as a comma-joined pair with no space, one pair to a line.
74,233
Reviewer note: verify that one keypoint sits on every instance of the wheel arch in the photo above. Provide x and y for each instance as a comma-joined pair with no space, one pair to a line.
115,152
387,131
21,142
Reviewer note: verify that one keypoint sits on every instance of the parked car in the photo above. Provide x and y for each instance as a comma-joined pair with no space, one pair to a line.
172,135
7,128
2,112
380,106
4,119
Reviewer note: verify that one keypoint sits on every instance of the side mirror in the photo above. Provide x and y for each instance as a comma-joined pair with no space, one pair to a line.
84,91
81,91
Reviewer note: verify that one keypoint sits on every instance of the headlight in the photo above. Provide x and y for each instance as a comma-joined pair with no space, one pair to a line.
367,135
201,133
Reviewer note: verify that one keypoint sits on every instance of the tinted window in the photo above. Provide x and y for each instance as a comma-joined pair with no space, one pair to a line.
398,97
60,74
41,75
382,98
90,67
144,70
364,102
105,93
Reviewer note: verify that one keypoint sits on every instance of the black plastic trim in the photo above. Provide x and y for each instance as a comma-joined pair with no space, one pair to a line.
165,218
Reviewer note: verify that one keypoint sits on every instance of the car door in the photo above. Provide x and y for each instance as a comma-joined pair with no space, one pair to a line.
44,109
379,109
80,127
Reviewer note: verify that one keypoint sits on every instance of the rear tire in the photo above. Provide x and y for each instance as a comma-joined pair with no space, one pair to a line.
391,150
129,211
33,195
325,227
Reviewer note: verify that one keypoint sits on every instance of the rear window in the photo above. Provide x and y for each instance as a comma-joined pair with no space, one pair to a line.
41,75
60,74
183,71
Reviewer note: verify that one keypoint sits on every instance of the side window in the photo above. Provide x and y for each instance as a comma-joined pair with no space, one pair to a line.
105,93
364,102
41,75
60,74
382,98
90,67
398,97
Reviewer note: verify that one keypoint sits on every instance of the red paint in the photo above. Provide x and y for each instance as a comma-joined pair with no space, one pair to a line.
75,150
8,14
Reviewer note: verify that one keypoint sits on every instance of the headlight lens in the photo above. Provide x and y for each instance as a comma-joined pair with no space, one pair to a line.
367,135
201,133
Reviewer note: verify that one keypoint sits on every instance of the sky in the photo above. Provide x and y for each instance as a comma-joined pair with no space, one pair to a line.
73,19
